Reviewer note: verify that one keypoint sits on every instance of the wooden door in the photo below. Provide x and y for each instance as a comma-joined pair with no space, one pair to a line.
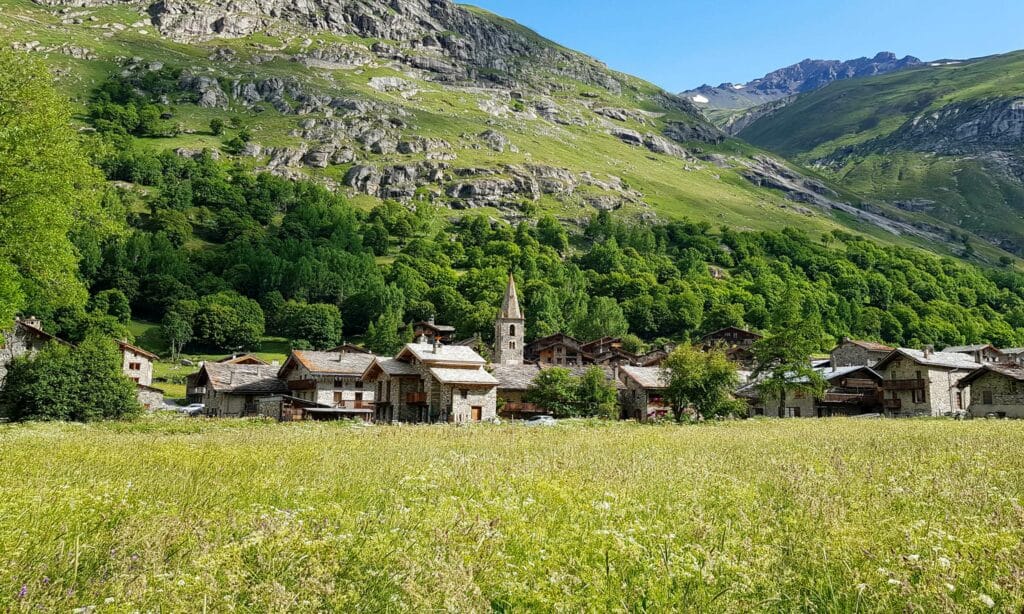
477,413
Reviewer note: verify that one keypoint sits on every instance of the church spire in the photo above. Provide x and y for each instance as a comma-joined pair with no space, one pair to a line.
510,305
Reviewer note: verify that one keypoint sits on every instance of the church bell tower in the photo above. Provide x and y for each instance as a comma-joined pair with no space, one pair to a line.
510,329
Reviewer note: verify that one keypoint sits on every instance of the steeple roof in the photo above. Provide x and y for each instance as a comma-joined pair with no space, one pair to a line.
510,304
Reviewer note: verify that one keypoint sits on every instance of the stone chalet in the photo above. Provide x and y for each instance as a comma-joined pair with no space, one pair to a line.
137,365
984,354
995,390
233,390
431,331
24,338
736,342
856,353
643,396
432,383
924,382
331,379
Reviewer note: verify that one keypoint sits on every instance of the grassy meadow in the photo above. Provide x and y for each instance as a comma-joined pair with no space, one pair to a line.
177,515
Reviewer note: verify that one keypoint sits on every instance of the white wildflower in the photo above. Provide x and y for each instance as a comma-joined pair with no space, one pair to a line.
944,562
108,600
913,558
895,582
950,587
603,505
988,601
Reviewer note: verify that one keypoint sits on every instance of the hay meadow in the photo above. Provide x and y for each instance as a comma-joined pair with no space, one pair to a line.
174,515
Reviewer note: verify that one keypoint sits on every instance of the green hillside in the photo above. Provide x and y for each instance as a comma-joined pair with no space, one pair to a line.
518,127
942,142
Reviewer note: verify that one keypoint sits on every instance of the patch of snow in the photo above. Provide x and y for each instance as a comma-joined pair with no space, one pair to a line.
700,99
738,87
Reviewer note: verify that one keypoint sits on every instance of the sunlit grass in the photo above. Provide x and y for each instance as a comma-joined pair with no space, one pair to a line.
177,515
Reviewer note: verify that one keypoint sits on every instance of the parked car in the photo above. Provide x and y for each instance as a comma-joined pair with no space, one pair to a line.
193,410
541,421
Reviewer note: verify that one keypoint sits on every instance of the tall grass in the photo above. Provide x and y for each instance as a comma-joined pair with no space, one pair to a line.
177,515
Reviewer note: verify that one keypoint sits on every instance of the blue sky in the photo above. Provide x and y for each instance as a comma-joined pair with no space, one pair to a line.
679,44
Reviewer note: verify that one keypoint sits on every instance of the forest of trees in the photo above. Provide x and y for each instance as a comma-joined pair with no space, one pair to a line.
223,256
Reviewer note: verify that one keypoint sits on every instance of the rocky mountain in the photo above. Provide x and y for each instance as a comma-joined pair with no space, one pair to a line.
943,142
805,76
426,101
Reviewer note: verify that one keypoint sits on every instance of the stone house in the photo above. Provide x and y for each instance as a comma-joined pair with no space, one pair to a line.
856,353
350,348
852,391
642,397
24,338
515,382
433,383
995,390
736,342
558,349
233,391
924,382
334,379
430,331
798,404
287,408
137,363
985,354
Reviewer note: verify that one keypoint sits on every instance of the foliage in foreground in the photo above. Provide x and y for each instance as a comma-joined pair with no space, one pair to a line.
60,382
815,515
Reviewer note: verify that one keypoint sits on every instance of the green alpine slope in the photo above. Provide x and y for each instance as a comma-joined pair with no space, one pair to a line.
427,102
943,142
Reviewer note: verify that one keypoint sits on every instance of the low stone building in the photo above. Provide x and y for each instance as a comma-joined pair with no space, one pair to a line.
642,397
857,353
924,382
995,390
334,379
852,391
399,391
287,408
430,331
26,337
516,381
233,391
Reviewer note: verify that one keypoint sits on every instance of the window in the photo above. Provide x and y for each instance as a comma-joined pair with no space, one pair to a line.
464,394
986,397
959,400
135,366
359,396
511,345
917,396
359,383
512,330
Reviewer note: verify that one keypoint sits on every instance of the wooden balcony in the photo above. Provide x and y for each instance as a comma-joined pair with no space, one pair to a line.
302,384
904,384
849,398
355,405
198,390
864,384
416,398
893,404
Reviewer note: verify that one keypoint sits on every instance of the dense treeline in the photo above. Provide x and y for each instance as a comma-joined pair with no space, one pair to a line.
223,256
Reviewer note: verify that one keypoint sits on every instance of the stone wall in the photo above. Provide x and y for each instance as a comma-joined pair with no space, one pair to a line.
143,374
1005,396
150,398
798,405
853,355
14,343
940,393
462,408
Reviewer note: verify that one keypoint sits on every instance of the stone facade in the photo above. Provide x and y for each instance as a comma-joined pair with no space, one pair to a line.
798,404
150,398
915,389
330,379
995,390
137,364
25,338
510,329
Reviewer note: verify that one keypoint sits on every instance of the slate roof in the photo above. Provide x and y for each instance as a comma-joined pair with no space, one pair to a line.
946,360
244,379
1011,371
330,363
35,330
648,377
510,303
1012,351
872,346
961,349
515,377
243,359
446,354
475,377
840,372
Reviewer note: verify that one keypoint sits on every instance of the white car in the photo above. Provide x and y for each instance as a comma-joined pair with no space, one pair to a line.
193,410
541,421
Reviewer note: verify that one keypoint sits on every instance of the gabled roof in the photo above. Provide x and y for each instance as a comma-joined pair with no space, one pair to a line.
735,329
652,378
441,328
390,367
350,348
510,303
38,332
1013,372
840,372
515,377
1012,351
468,377
441,354
242,379
127,347
872,346
328,363
944,360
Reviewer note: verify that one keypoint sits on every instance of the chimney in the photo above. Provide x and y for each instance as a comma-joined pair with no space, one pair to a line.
422,339
437,346
430,320
33,321
929,350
